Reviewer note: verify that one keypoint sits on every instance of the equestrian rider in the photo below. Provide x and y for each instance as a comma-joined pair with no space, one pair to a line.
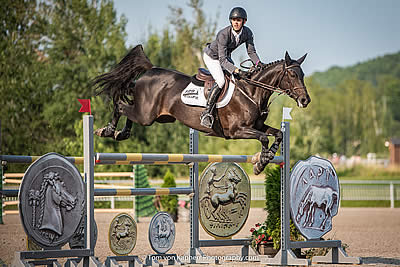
217,55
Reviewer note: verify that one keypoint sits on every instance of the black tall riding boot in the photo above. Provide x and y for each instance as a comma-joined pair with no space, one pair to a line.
206,118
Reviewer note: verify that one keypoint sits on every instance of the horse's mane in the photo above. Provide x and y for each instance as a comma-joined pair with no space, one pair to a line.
263,66
42,195
271,64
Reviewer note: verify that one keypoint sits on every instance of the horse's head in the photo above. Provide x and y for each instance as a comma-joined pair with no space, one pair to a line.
67,200
292,81
233,176
284,76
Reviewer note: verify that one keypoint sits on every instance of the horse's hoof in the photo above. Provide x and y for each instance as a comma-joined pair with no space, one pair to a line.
105,132
270,155
258,168
121,135
264,160
256,158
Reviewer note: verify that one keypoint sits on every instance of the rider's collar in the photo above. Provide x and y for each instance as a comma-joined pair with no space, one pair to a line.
237,34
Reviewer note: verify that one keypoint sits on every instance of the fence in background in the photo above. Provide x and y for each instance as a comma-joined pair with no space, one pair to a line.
353,190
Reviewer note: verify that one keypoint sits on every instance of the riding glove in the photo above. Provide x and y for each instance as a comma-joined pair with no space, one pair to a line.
240,74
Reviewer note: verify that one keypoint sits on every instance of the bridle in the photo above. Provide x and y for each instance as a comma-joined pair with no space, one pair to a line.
266,86
272,88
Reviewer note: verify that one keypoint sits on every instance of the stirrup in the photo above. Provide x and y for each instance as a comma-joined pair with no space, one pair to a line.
207,120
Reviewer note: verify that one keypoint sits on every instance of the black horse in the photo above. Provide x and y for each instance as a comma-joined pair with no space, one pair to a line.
146,94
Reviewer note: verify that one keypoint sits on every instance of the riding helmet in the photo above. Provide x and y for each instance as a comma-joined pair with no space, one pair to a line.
238,12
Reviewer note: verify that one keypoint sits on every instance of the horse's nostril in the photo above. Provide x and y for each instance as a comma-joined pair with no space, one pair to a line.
304,100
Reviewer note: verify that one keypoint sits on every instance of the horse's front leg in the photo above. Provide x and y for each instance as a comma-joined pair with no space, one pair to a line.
270,131
262,159
267,154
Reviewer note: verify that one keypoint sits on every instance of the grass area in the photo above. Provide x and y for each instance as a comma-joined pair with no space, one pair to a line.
370,178
360,172
117,204
257,204
368,203
10,207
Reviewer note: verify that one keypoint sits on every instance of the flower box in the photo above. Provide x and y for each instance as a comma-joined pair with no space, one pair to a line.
267,249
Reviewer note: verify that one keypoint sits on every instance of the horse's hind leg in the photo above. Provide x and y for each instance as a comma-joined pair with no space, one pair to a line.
125,133
109,129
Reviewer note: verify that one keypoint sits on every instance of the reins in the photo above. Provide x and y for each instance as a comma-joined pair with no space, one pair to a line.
265,86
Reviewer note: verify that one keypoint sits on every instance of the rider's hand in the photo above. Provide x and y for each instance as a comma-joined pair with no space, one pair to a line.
239,74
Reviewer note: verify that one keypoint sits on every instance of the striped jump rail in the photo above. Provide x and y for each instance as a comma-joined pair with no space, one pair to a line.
31,159
148,158
123,191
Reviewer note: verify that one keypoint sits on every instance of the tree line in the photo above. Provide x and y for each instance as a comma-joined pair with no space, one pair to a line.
51,50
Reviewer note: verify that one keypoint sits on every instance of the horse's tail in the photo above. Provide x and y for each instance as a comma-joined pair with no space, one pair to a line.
116,83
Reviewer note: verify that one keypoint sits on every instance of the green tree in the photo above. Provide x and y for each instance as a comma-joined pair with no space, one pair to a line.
144,204
23,81
50,50
84,39
273,207
169,203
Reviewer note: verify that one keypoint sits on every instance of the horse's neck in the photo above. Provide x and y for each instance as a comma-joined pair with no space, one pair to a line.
231,189
51,214
50,200
269,76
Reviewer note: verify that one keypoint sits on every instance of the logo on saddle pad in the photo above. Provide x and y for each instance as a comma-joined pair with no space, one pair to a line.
195,93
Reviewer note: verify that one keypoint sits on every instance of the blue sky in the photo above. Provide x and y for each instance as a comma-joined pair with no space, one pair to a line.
333,33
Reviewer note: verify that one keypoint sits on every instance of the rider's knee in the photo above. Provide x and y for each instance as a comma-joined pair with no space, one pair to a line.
220,81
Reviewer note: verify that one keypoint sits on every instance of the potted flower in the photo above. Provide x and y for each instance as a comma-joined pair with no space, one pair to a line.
261,241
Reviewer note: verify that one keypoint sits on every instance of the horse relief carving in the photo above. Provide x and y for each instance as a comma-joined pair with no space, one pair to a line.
122,231
224,198
162,232
53,196
51,200
314,196
221,193
122,234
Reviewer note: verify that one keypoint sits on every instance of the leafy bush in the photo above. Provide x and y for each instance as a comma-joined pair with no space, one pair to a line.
273,207
169,203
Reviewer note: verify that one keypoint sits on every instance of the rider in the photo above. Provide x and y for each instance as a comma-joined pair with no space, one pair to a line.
217,55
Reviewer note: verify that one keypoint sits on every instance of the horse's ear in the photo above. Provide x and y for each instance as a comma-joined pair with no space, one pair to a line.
300,60
288,60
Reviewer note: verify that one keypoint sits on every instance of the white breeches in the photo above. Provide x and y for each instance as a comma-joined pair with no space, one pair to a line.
215,69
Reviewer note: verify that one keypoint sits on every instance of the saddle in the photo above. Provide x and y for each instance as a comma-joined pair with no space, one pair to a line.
203,78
